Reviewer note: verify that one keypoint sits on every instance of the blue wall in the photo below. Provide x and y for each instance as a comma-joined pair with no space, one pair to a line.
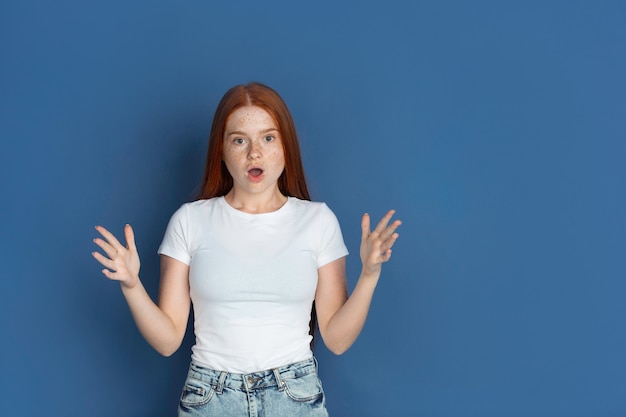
497,131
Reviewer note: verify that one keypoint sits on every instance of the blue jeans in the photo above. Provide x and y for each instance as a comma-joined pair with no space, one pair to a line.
292,390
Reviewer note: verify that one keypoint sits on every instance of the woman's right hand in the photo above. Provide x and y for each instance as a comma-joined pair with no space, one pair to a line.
122,262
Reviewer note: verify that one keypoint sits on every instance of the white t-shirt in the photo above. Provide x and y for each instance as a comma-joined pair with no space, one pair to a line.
253,278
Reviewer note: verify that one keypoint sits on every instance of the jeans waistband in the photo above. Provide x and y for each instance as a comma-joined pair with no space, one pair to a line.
252,381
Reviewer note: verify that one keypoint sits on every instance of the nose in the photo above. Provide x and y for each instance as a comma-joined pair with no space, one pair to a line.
254,151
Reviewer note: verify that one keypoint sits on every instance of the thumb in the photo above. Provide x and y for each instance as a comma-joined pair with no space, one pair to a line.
365,226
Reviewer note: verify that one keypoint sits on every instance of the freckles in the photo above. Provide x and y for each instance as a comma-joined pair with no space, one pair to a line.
249,116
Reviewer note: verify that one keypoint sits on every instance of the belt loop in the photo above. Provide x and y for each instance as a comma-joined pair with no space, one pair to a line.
279,380
220,382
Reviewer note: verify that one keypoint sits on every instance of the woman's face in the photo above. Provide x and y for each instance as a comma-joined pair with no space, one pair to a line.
253,151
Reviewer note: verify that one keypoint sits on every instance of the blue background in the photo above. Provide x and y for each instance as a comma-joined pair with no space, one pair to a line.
496,130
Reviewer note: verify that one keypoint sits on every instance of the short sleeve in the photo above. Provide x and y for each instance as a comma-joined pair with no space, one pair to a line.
175,242
332,246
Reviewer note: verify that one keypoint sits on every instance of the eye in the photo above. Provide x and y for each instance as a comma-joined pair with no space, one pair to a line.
238,141
269,138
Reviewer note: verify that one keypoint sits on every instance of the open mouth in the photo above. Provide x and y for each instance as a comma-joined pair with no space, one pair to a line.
255,172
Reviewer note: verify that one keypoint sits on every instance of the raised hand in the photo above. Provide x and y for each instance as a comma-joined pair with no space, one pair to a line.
122,262
376,245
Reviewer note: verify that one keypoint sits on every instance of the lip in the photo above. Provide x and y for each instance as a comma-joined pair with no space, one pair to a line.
257,178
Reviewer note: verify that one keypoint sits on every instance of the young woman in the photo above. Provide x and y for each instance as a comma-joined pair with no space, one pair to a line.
260,262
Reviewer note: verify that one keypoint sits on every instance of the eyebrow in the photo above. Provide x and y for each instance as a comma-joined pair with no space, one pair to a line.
239,132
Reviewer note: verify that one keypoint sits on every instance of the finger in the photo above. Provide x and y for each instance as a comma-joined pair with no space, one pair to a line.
382,224
388,244
385,247
106,262
110,275
365,226
130,237
109,237
390,230
108,249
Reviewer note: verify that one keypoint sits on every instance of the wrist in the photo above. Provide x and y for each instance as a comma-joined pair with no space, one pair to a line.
369,275
129,285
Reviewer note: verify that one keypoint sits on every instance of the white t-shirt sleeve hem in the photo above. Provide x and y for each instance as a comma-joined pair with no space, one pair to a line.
175,241
331,257
176,254
333,246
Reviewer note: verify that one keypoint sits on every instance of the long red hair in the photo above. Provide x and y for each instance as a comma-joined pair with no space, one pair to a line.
217,181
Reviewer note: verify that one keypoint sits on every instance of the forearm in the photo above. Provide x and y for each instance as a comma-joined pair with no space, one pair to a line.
346,324
154,325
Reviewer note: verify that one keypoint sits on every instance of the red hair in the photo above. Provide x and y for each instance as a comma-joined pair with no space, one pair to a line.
216,180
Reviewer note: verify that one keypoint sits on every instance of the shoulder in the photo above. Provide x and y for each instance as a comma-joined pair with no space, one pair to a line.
194,209
307,206
200,205
312,208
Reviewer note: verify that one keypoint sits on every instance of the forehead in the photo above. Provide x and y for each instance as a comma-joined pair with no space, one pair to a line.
250,117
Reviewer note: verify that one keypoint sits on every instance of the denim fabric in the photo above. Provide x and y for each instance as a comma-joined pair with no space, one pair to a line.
292,390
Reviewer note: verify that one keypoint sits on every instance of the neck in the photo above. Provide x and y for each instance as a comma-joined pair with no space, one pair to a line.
255,203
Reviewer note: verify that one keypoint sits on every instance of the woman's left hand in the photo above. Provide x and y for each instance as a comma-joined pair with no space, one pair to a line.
376,245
